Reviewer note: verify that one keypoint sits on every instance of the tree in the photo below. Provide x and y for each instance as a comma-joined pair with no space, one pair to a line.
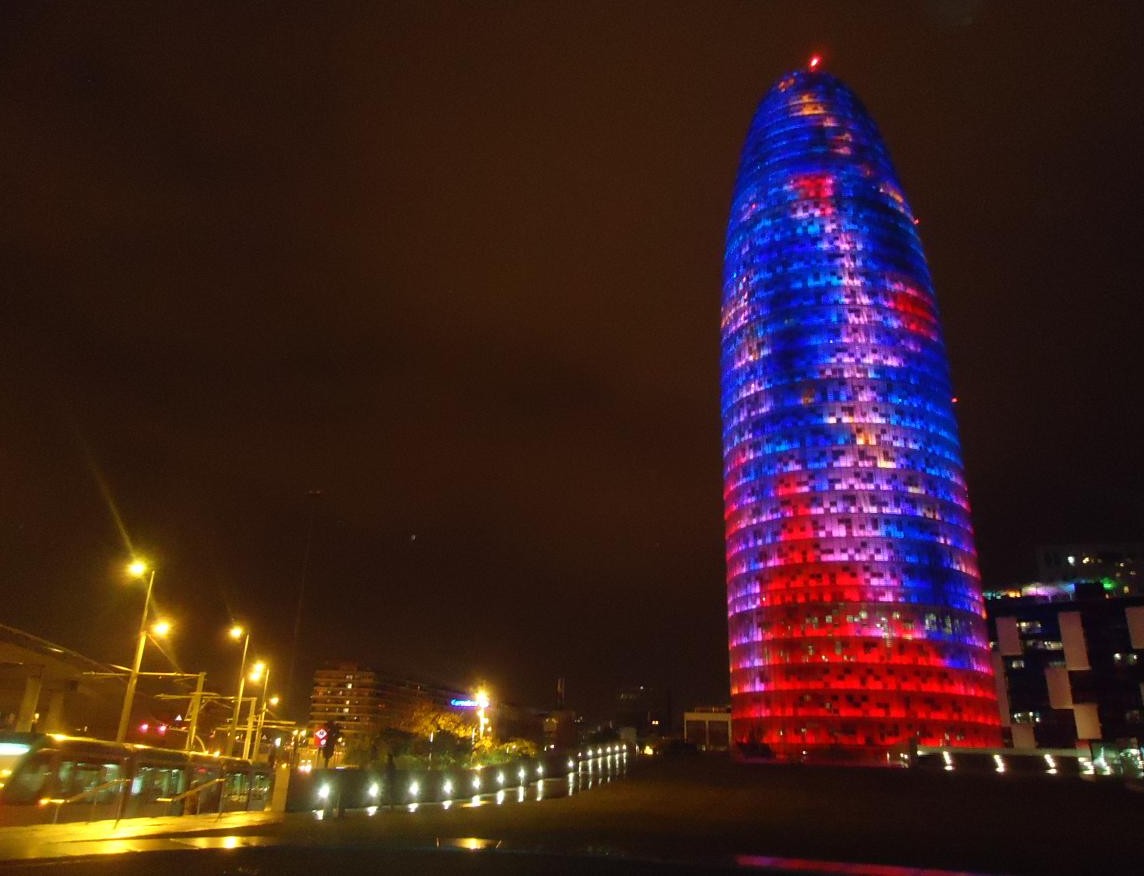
518,747
428,720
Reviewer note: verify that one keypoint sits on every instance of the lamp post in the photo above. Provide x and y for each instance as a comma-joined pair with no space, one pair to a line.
266,703
482,700
237,632
137,569
259,672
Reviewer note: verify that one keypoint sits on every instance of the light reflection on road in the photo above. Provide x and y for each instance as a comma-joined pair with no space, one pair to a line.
585,771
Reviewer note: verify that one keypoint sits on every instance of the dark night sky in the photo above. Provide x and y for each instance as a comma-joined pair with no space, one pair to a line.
458,266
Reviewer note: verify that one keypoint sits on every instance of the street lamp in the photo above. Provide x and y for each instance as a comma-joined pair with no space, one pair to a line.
267,703
482,700
258,672
238,632
137,569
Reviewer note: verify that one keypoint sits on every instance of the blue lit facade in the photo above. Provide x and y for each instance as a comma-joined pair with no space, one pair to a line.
856,621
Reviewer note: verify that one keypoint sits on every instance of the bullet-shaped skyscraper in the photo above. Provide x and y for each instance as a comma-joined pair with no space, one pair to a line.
856,621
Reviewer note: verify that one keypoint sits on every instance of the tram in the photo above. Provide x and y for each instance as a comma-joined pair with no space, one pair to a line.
46,778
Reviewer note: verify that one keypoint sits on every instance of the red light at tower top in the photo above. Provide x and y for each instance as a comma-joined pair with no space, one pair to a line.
815,62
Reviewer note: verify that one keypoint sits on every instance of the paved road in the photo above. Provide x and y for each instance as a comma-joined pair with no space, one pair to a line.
668,814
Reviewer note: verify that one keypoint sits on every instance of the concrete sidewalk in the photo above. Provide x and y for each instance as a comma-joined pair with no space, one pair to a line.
107,837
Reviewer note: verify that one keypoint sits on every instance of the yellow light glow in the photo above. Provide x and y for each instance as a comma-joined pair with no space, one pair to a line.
256,670
236,632
481,698
161,628
137,568
274,700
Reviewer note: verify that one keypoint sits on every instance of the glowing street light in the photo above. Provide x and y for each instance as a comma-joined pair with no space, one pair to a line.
137,569
238,632
481,698
161,628
259,672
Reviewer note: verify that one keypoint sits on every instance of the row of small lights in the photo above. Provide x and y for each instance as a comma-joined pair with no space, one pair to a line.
589,756
601,752
1050,764
414,789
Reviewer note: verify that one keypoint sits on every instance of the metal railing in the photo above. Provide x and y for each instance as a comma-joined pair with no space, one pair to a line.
195,790
93,791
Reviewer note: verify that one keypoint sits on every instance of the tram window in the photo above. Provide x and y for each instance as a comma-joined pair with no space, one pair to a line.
236,784
202,775
10,754
29,782
79,776
154,782
260,786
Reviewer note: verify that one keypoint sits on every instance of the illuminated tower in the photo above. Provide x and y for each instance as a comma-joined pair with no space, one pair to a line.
856,621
